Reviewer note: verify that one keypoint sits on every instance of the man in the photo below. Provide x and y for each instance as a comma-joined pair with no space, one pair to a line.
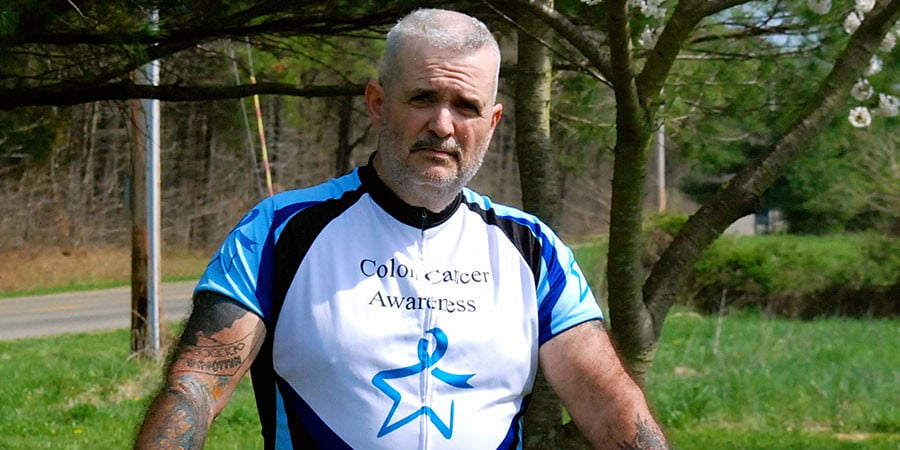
391,307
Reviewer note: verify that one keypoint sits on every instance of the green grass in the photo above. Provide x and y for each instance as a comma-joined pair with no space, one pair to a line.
765,384
83,391
830,383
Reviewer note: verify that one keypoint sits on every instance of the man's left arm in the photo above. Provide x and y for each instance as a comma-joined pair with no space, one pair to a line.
607,406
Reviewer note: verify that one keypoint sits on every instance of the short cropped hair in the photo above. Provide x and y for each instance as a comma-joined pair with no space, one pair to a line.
465,35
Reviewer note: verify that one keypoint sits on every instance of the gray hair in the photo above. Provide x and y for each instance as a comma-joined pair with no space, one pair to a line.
440,28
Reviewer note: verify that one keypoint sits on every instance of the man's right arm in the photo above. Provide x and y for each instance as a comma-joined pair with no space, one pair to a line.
220,340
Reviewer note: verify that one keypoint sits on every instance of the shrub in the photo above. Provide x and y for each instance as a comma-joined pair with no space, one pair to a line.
800,276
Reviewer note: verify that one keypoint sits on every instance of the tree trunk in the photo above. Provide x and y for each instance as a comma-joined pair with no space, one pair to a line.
538,165
631,327
539,172
345,122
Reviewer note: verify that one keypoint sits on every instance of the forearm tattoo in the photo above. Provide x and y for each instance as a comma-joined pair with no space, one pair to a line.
214,349
186,424
648,437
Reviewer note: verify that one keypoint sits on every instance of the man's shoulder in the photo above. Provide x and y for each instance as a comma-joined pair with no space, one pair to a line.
484,204
333,188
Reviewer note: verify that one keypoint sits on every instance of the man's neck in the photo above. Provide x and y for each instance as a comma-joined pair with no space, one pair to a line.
422,195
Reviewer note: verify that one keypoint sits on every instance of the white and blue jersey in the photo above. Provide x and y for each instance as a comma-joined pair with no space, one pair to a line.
389,326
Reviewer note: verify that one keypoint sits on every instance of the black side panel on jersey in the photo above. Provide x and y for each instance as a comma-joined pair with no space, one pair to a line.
295,240
518,233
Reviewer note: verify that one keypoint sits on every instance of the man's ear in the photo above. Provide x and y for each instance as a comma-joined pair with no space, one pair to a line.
375,103
496,114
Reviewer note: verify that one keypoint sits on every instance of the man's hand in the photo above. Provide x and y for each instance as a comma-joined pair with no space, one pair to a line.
605,403
220,341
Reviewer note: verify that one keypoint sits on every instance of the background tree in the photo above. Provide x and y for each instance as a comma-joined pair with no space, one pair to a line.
638,307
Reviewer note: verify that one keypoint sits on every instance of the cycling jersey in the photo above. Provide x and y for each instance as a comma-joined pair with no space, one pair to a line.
389,326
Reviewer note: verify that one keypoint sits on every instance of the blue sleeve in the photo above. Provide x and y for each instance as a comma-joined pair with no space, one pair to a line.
234,269
564,297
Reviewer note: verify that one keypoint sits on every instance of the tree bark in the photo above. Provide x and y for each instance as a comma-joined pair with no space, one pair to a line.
539,172
344,147
538,164
629,318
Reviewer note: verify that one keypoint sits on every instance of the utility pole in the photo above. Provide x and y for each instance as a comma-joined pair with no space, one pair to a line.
661,165
145,214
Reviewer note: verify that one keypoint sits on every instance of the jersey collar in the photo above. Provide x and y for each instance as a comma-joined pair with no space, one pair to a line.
414,216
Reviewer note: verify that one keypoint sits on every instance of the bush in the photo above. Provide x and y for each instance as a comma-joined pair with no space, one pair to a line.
800,276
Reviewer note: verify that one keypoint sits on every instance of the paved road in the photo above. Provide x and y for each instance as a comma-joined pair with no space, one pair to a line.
44,315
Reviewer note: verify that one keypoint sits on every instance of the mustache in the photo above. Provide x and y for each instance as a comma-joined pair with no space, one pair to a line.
432,141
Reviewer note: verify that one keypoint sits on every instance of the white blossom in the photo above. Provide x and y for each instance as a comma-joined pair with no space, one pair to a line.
635,3
874,67
890,40
649,36
888,105
819,6
859,117
653,8
852,22
590,2
864,6
862,90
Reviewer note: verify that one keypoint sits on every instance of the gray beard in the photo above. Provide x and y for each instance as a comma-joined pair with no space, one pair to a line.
429,191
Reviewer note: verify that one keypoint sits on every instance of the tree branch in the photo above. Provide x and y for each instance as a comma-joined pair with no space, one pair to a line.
151,47
590,49
631,112
687,14
124,90
259,19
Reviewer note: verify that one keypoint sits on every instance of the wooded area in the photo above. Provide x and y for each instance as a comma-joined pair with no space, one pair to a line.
764,104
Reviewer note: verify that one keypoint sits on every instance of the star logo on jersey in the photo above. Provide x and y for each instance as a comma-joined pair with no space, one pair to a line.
241,239
425,363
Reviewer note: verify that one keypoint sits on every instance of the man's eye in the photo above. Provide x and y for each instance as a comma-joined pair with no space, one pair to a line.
420,99
469,107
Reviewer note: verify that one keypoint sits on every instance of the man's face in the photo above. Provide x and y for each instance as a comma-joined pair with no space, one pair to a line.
436,119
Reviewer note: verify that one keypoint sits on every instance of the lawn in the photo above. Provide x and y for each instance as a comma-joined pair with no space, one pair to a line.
738,382
778,384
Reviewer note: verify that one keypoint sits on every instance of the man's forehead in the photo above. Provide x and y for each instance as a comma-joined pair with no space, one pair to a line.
413,49
479,64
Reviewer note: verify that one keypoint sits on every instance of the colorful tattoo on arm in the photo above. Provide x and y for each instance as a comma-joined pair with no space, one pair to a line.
186,423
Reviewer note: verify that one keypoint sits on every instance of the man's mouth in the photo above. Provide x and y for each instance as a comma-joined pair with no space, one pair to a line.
448,152
433,144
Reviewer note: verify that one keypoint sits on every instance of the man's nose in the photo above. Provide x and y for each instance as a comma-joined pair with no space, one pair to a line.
441,122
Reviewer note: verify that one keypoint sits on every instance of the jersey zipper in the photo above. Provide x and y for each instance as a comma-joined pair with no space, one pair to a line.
425,380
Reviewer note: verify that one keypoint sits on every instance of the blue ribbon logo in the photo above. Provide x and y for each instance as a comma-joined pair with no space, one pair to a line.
425,362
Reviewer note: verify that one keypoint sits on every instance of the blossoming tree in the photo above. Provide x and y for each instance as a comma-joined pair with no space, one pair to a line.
605,34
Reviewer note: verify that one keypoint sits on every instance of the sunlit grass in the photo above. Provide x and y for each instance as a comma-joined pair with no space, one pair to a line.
764,384
834,382
85,391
